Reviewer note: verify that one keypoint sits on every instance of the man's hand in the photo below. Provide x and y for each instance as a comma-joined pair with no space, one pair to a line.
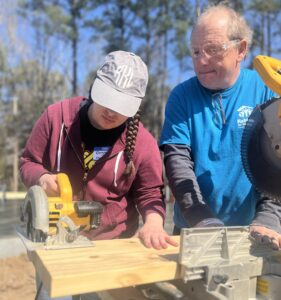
265,235
49,184
152,233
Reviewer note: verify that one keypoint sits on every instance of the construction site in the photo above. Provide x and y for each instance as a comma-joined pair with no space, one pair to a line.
140,150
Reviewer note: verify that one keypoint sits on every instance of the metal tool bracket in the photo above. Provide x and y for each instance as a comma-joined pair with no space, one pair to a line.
225,260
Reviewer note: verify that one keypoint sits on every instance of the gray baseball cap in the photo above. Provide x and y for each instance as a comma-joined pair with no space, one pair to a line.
121,83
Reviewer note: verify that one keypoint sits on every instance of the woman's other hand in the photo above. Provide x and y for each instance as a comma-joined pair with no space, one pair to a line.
152,233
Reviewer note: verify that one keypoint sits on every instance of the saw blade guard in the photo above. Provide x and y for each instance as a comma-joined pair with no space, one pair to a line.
35,210
261,148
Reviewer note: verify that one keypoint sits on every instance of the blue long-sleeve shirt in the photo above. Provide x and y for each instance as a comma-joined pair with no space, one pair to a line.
209,124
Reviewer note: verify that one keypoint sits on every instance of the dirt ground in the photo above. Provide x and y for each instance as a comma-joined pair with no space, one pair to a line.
17,278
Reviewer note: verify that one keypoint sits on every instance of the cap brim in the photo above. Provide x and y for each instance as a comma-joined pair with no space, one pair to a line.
119,102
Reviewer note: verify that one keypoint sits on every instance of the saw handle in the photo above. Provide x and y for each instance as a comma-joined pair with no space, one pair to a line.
64,187
269,69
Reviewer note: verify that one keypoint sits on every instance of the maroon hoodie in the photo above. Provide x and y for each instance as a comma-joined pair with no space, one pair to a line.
58,130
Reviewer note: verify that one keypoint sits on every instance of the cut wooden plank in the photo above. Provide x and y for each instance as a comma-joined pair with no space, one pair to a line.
110,264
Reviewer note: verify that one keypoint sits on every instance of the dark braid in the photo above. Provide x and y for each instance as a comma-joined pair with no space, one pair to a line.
131,135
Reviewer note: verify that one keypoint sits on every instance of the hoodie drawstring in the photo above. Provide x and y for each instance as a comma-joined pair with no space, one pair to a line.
59,148
116,167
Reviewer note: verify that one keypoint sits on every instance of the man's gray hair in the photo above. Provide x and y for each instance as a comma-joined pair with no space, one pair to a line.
238,28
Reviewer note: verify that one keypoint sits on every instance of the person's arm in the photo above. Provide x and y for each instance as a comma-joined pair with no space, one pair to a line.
184,185
35,157
266,227
147,190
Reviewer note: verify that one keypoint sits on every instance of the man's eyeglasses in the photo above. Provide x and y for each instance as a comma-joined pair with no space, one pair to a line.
216,50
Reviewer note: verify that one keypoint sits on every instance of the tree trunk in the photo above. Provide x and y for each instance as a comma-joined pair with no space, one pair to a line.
74,67
268,28
15,150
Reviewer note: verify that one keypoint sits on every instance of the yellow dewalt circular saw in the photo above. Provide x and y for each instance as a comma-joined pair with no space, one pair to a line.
261,139
55,222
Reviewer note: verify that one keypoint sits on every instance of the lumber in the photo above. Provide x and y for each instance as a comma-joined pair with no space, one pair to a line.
12,195
110,264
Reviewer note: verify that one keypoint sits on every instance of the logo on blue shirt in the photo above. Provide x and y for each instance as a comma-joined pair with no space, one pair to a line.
243,115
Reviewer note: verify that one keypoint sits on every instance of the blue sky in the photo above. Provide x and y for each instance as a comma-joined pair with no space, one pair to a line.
18,35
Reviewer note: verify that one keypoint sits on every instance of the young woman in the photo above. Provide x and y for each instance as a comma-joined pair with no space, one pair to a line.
106,152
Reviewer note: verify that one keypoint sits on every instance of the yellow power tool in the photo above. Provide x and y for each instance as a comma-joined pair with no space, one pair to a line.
57,221
269,69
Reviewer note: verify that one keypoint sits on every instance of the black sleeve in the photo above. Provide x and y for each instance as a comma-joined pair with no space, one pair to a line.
268,214
183,183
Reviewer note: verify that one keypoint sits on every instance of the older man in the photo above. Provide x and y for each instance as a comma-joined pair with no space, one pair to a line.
201,136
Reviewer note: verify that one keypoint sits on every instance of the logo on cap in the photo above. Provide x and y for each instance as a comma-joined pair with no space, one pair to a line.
123,76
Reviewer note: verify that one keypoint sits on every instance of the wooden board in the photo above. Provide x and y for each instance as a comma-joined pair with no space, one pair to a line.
12,195
110,264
